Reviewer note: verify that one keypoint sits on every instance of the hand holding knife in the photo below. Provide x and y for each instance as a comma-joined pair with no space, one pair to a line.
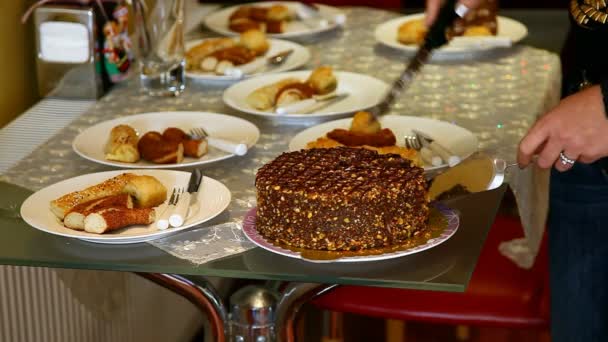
186,200
435,38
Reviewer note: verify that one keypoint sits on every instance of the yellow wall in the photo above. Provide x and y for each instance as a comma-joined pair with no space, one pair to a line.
18,89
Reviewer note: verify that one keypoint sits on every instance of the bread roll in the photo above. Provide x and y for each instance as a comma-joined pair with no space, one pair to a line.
196,54
75,217
264,98
122,144
322,80
147,191
255,40
109,219
113,186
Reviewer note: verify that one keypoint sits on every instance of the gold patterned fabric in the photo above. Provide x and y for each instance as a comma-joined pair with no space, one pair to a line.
589,13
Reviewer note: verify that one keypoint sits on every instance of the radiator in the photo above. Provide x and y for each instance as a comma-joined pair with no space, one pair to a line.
37,305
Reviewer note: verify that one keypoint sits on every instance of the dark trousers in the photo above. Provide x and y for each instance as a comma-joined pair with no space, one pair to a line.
578,247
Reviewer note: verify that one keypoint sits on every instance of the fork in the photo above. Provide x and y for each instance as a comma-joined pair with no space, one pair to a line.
431,152
163,220
239,149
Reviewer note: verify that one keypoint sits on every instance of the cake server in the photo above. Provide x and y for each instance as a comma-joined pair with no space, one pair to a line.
186,199
435,38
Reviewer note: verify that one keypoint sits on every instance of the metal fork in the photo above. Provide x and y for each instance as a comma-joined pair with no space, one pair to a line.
163,220
413,142
239,149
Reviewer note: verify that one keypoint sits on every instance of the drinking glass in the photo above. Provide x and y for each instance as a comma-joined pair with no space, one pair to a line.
160,36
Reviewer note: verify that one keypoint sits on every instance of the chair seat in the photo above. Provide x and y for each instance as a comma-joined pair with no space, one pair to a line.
499,293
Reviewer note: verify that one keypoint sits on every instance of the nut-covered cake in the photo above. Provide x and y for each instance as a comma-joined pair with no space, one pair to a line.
340,199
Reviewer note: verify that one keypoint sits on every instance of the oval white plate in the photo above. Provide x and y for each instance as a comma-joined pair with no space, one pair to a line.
255,237
458,140
90,143
386,34
365,92
213,198
218,21
298,58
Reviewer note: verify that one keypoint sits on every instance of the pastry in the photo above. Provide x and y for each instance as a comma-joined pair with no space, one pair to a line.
147,191
412,32
122,145
366,132
246,24
340,199
322,80
264,98
278,13
75,217
196,54
113,186
108,219
195,148
293,92
255,41
154,148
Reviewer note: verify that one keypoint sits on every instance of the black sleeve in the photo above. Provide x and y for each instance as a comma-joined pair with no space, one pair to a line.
604,88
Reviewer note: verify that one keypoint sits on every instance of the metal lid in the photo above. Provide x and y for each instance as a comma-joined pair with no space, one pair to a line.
253,305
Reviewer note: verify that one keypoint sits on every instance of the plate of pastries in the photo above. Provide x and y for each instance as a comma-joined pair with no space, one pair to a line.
119,207
387,136
345,204
480,30
330,92
163,139
233,58
279,19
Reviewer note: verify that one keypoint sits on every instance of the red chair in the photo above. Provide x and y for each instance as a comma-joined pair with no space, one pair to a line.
499,294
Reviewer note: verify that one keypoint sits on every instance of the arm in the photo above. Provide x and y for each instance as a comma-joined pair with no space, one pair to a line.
577,126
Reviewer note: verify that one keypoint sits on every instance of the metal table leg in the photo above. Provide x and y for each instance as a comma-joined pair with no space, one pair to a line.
292,298
203,295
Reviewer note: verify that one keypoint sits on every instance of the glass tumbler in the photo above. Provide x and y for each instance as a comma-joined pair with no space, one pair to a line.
160,37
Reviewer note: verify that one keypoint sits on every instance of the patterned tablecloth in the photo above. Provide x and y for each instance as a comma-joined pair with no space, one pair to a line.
497,97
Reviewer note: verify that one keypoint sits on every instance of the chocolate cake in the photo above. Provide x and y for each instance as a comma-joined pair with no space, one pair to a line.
340,199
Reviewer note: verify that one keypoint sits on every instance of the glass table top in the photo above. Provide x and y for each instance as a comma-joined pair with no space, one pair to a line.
447,267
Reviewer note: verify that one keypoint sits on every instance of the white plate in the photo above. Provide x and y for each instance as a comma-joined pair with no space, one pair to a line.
386,34
218,21
458,140
365,92
298,58
89,144
453,221
213,198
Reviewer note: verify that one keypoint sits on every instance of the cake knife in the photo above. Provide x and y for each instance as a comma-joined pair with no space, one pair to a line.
435,38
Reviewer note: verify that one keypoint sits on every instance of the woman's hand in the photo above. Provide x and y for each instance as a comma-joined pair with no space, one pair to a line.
578,127
433,7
